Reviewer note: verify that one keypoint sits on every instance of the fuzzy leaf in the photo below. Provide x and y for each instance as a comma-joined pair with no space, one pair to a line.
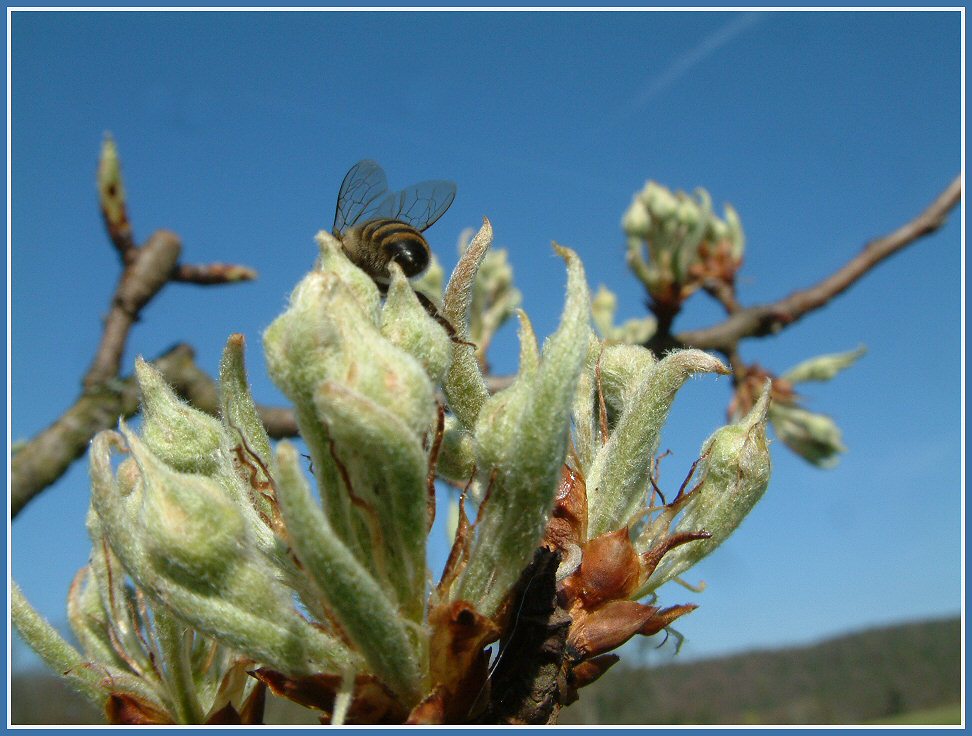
823,367
618,476
368,616
522,435
236,402
465,387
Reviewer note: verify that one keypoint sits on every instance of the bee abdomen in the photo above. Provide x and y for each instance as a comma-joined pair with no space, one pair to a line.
400,242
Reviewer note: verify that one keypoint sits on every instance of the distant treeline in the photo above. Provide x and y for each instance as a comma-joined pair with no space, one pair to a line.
878,673
861,677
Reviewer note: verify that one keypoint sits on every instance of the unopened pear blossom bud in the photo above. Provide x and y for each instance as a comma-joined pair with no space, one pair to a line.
192,529
407,324
815,437
636,221
185,438
734,472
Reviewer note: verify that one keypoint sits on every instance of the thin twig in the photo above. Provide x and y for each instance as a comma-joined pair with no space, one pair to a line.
212,273
767,319
146,271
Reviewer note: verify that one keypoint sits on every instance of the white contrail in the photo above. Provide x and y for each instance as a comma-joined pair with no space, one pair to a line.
694,56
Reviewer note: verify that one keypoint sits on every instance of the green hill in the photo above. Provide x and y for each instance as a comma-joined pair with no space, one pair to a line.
878,675
908,674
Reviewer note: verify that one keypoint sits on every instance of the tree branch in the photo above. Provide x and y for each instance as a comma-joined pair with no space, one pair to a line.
767,319
41,461
145,271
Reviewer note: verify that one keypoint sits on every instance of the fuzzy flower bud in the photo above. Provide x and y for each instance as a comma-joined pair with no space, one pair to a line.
815,437
735,473
407,324
364,406
185,544
634,331
185,438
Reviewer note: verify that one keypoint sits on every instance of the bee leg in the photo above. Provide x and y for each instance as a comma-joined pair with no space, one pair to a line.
433,312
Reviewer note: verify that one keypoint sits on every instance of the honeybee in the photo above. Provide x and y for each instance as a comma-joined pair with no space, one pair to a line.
376,226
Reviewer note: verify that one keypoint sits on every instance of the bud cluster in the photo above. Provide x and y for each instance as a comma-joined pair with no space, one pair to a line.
687,244
220,566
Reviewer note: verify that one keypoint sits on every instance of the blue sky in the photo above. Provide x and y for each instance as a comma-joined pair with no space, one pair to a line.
822,129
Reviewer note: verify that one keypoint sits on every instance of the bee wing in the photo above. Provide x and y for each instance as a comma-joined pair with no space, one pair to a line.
362,193
420,205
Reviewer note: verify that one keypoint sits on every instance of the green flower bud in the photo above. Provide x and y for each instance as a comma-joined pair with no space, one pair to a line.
365,406
734,472
633,331
636,221
636,331
325,335
603,306
815,437
185,438
457,455
688,213
660,202
192,531
623,367
823,367
222,587
129,476
115,623
735,233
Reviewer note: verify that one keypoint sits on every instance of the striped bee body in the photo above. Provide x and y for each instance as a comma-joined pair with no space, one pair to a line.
374,244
